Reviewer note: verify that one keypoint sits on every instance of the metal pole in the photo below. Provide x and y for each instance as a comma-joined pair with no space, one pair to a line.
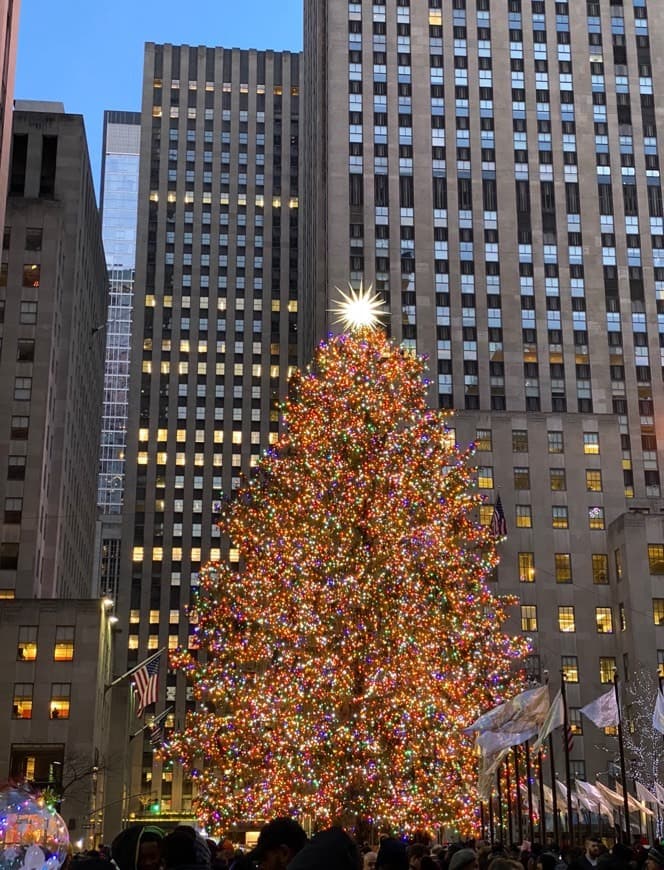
491,823
554,793
499,798
519,799
508,790
482,823
540,770
623,771
568,776
529,785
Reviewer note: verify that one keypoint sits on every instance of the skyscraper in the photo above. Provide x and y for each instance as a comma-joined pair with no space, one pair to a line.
52,299
213,341
9,13
516,236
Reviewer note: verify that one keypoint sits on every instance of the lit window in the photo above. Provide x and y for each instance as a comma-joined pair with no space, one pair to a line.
527,567
593,480
575,721
570,668
60,698
521,478
604,620
600,568
658,611
154,617
153,641
134,617
656,558
528,617
483,440
22,701
607,667
660,662
563,566
519,441
486,514
591,443
559,517
27,643
555,442
557,479
173,641
617,561
31,275
596,517
566,619
64,643
524,518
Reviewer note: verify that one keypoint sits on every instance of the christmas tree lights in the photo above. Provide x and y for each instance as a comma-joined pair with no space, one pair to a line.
343,656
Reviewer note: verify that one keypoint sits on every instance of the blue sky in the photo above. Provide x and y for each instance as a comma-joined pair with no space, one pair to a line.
89,53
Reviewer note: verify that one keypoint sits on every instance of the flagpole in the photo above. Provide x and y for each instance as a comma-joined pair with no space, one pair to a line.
529,785
482,820
623,771
568,777
499,798
510,820
519,800
133,670
491,824
554,793
540,770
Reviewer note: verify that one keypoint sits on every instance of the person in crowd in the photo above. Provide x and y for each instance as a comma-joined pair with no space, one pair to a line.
464,859
184,849
415,853
370,859
590,858
278,843
138,847
655,859
329,850
391,855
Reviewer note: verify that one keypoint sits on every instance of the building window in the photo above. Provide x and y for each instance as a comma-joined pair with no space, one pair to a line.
25,350
19,428
485,477
16,468
607,667
559,517
600,568
60,698
64,643
563,566
8,556
527,567
33,239
521,478
593,480
486,514
524,516
570,668
658,611
13,510
577,769
595,517
566,619
22,703
483,440
557,479
617,561
31,274
27,643
28,313
22,389
519,441
575,721
604,620
528,617
555,442
660,662
656,558
591,443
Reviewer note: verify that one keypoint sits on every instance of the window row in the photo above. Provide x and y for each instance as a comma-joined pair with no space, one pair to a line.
562,573
63,648
59,704
567,619
555,441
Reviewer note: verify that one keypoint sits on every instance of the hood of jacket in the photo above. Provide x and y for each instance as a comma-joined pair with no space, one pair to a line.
329,850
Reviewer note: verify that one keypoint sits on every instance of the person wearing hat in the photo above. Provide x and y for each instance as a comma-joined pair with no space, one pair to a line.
278,843
655,859
464,859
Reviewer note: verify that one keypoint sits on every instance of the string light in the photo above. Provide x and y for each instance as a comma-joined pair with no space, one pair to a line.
356,638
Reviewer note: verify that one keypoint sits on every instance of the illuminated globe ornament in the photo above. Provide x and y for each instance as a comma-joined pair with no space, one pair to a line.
359,309
32,837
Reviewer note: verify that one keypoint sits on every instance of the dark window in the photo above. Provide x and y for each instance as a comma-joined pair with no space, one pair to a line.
8,556
48,164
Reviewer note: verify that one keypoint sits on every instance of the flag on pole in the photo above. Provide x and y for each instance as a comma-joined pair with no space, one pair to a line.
658,714
659,791
524,712
498,521
644,795
603,711
156,735
569,738
146,684
554,719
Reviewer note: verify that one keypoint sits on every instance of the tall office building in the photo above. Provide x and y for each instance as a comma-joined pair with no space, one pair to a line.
52,299
119,206
516,235
9,13
214,338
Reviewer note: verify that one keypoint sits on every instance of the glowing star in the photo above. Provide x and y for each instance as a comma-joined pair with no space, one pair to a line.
359,309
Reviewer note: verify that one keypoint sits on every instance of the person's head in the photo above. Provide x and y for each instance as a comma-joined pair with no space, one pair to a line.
370,859
138,848
655,859
500,863
278,842
593,847
184,847
391,855
464,859
415,854
547,861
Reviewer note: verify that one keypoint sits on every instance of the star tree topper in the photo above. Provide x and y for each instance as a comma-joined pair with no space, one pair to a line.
359,309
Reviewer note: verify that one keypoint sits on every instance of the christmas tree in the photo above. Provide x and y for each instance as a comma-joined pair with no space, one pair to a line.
355,638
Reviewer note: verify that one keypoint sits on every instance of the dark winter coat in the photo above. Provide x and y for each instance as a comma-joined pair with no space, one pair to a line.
329,850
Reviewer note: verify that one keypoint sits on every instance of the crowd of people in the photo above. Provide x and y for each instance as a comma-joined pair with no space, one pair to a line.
283,845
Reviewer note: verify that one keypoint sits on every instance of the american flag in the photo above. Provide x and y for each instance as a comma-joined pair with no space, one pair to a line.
156,735
498,521
146,679
569,738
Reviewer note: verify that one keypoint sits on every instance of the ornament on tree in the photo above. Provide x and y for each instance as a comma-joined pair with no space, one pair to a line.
356,638
32,836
